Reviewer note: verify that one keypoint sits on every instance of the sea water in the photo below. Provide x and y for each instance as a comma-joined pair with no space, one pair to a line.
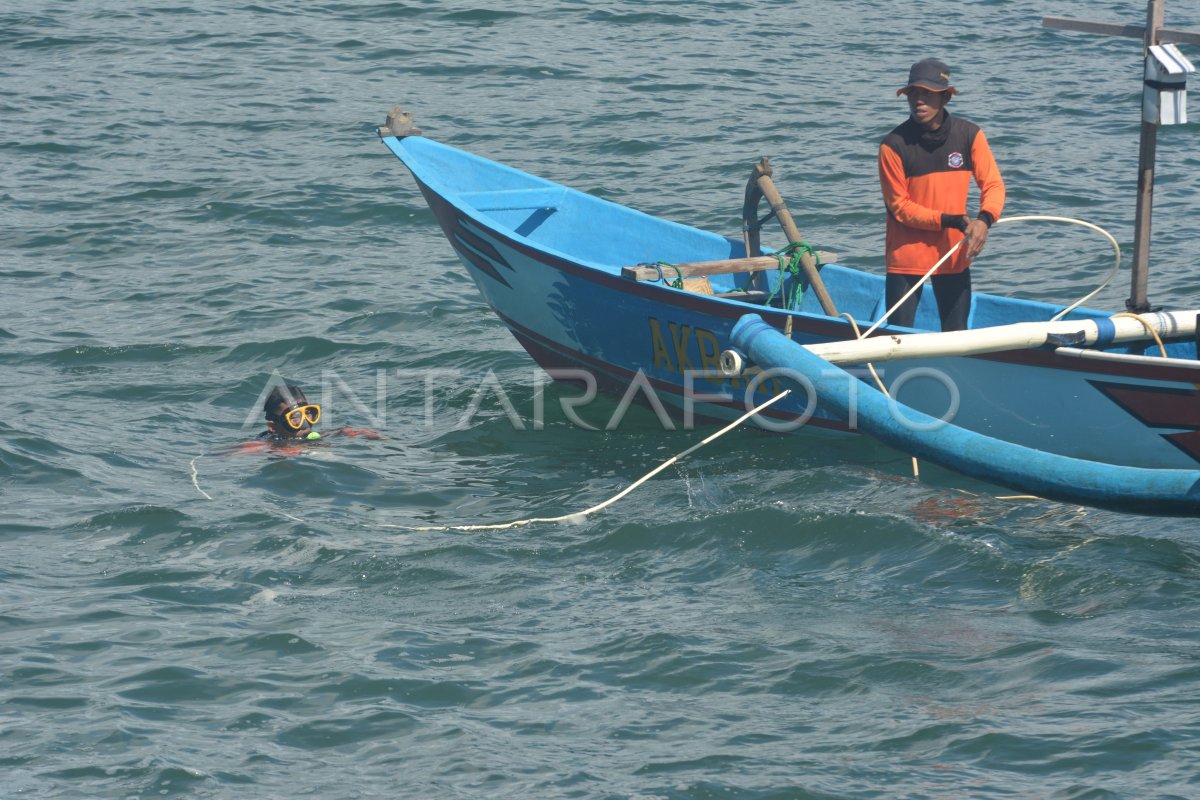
194,206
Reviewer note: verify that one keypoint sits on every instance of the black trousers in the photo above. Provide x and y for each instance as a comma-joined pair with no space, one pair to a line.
953,294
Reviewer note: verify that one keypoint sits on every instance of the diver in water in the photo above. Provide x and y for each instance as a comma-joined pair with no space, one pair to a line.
290,421
290,418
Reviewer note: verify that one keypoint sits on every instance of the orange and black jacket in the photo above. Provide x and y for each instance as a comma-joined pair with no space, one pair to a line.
925,176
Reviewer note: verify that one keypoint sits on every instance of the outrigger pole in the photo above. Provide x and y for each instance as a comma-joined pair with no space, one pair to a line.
1154,36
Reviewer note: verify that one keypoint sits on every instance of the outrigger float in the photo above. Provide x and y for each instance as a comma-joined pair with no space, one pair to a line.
1063,402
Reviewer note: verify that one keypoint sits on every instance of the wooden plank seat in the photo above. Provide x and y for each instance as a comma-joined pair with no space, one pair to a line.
693,269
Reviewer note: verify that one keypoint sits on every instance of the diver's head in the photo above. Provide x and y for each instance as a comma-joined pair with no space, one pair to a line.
289,414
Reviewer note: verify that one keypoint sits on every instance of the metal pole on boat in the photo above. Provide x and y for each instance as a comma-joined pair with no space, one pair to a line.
1154,113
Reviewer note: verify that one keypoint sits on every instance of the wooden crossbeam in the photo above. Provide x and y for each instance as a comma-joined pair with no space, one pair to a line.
726,266
1165,35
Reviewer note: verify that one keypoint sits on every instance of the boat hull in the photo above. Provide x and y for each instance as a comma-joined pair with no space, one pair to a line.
575,310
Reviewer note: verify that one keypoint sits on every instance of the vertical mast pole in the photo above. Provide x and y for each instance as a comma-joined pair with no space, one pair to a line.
1147,152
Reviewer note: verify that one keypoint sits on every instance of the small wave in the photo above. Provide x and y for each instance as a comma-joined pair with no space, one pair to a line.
53,42
377,10
101,355
380,726
297,349
643,18
481,16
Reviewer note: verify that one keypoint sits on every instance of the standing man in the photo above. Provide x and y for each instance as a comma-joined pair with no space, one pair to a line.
925,166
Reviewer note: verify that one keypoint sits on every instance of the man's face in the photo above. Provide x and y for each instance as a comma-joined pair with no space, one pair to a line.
926,104
293,411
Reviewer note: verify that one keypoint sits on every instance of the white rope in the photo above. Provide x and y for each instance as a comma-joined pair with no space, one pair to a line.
1024,218
1004,221
1111,273
196,479
579,515
916,465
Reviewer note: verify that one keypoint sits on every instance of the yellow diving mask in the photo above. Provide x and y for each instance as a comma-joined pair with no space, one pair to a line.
295,416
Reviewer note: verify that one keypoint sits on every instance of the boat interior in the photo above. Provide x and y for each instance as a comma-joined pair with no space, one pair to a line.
610,237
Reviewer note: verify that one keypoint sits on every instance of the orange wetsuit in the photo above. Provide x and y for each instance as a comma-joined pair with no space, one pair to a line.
925,176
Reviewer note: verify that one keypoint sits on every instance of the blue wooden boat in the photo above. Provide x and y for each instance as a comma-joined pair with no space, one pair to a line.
560,268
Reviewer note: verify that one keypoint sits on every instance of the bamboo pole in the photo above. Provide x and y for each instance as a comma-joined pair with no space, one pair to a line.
761,186
1018,336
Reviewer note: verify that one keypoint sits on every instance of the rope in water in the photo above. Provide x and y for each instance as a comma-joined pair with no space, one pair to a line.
578,516
196,478
207,496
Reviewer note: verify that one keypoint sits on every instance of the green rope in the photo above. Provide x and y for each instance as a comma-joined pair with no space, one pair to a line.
675,284
789,258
